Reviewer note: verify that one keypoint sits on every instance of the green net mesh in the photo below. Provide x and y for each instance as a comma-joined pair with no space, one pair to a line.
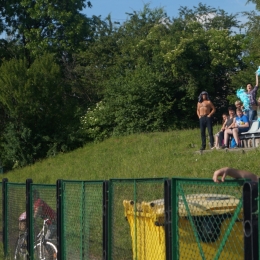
82,215
206,219
136,236
210,221
16,202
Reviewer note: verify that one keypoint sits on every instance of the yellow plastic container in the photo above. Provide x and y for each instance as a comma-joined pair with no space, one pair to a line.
146,221
147,231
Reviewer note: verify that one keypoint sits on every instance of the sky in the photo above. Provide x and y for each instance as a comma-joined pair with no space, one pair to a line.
119,8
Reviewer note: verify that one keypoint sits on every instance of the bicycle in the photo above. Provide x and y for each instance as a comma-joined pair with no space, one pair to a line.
43,249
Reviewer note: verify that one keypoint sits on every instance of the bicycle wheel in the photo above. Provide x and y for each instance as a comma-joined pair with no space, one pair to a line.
46,251
21,248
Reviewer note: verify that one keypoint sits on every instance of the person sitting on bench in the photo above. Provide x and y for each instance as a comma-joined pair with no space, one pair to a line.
241,125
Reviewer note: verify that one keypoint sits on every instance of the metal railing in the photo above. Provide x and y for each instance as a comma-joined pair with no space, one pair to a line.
140,219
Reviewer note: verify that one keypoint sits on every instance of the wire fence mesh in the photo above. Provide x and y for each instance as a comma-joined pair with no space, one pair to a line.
210,220
43,202
206,220
16,201
130,236
1,212
82,216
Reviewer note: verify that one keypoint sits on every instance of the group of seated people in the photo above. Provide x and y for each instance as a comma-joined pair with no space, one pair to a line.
234,123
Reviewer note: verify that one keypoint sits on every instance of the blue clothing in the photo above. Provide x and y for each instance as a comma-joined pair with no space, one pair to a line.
251,114
241,121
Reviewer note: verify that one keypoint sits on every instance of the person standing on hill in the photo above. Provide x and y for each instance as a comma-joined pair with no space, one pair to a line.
251,93
205,110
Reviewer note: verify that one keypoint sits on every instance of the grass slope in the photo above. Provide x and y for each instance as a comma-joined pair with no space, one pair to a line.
162,154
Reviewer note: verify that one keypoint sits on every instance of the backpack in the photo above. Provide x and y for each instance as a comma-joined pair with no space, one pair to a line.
233,143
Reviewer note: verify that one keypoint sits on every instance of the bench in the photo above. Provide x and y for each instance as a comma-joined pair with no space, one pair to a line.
252,134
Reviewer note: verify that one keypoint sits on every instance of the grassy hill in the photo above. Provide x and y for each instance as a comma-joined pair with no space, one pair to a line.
164,154
151,155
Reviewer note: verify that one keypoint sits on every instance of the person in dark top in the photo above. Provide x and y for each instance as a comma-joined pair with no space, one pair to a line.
228,124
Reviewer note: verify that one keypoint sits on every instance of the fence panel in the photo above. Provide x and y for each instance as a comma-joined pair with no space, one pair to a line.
136,219
82,219
43,200
206,218
16,205
258,216
209,219
1,213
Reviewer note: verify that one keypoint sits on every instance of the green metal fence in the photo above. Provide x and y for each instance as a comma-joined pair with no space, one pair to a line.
127,234
209,223
1,212
82,213
139,219
16,202
47,195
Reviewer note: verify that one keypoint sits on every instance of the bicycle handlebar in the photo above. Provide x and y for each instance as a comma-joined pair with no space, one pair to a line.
45,221
41,233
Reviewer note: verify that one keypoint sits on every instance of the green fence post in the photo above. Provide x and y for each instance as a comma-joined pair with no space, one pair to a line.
105,220
60,222
29,217
174,219
168,218
258,210
109,215
250,195
82,235
5,217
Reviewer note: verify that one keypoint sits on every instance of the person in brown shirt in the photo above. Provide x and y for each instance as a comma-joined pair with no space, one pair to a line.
205,110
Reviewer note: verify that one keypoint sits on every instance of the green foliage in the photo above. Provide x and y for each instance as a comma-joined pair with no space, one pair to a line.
18,147
250,58
147,72
96,124
209,17
256,2
140,102
40,110
150,72
46,26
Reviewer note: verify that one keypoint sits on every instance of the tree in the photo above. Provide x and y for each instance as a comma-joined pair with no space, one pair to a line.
250,58
88,69
41,114
158,70
41,26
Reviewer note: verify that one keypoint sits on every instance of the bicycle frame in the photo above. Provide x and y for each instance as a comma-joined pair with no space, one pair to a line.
41,241
40,244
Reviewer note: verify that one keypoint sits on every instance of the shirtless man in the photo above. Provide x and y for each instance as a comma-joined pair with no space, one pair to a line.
205,109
